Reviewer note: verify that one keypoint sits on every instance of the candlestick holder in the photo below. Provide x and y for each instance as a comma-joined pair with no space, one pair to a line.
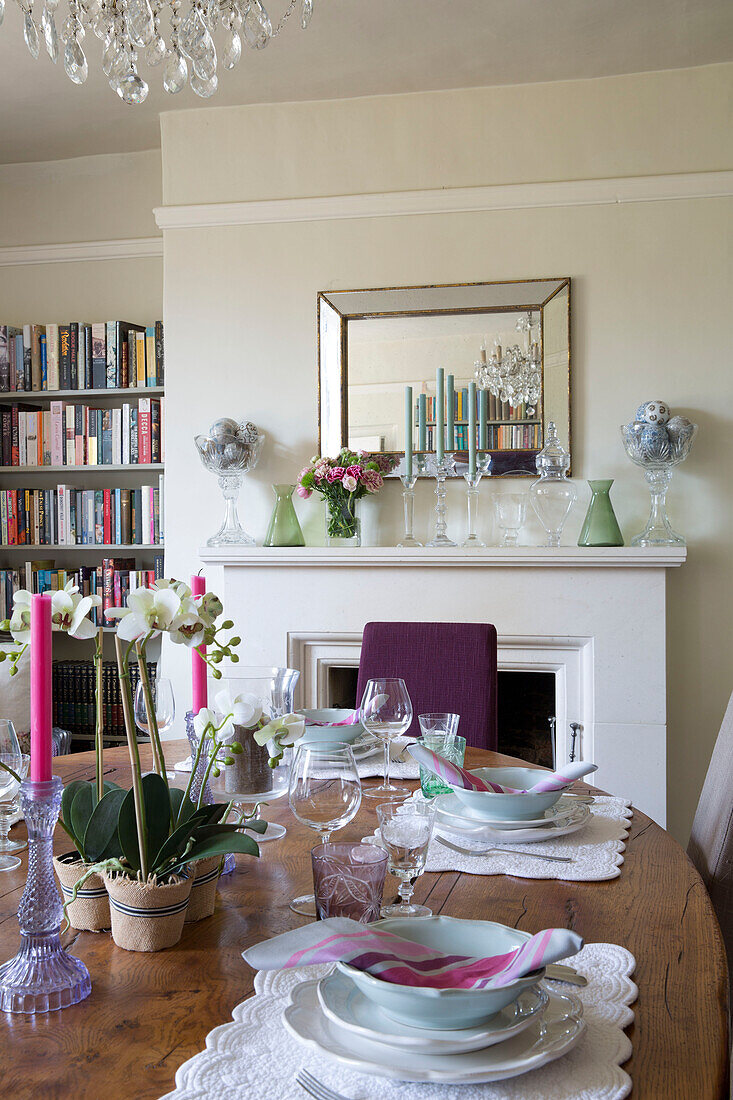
42,977
472,483
408,501
230,863
442,470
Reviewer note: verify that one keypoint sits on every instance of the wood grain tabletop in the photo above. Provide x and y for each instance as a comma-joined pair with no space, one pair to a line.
148,1013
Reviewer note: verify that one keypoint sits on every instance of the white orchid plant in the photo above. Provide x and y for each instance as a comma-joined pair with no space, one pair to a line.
245,711
69,615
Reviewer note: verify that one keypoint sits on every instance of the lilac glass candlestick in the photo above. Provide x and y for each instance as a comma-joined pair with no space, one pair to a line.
229,861
42,977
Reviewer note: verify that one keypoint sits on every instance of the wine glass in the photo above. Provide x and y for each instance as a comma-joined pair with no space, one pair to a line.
11,757
386,712
324,793
9,805
405,829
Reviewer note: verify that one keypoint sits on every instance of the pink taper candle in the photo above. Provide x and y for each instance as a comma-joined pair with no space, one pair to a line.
198,665
41,688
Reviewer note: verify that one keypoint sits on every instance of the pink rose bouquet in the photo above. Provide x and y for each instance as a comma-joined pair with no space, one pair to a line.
342,481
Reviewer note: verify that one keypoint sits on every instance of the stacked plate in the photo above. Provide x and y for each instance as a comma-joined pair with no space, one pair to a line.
338,1017
455,820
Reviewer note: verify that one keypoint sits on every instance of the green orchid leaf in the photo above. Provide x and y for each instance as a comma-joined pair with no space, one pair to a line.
66,799
175,844
127,831
101,840
219,845
176,795
110,786
157,821
81,810
256,826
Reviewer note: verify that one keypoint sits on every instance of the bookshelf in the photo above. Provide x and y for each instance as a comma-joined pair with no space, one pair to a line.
42,482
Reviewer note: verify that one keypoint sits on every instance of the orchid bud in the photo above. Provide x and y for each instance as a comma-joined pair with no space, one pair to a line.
235,641
228,760
227,625
236,748
234,658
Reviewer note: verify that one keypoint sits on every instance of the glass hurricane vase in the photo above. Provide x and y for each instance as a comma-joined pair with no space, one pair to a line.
343,525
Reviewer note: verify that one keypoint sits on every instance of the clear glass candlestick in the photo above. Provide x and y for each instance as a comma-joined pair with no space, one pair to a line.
42,977
472,484
442,470
408,500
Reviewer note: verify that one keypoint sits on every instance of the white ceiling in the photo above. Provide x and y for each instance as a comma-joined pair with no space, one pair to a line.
363,47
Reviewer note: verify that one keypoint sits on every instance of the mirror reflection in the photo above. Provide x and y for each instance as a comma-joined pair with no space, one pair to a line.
510,339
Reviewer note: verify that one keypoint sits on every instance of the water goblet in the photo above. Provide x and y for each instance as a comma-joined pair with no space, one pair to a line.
9,805
405,829
164,702
511,512
386,712
439,735
324,793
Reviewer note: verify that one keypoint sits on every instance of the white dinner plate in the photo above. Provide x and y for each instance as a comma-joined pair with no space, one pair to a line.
549,1035
344,1003
456,830
449,806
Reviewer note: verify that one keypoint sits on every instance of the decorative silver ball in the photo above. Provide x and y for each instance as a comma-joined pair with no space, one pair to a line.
653,412
221,431
655,443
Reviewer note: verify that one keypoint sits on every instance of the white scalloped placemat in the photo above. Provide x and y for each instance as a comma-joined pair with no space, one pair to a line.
254,1056
596,850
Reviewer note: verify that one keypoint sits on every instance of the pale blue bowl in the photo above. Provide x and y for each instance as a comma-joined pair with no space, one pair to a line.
489,806
445,1008
329,733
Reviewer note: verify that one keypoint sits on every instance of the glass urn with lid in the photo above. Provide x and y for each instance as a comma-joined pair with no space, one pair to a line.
552,495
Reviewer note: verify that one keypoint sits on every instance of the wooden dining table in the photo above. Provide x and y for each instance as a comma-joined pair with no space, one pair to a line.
149,1013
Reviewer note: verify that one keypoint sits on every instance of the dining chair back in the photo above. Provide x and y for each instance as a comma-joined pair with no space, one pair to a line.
446,667
711,841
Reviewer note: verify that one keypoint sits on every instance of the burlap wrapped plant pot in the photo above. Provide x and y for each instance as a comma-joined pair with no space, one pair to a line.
147,917
204,880
90,910
250,773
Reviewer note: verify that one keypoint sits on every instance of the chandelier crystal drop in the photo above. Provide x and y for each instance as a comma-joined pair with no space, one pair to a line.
157,32
514,374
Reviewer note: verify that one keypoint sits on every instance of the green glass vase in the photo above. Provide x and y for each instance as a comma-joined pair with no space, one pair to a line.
600,526
284,529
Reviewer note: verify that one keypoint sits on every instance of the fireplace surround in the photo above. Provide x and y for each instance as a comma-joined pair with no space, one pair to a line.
594,617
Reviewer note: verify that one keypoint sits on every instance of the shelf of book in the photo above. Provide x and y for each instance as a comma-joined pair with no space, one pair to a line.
138,547
127,467
61,395
464,423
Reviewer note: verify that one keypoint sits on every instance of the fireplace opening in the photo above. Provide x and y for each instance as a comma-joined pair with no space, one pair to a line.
526,702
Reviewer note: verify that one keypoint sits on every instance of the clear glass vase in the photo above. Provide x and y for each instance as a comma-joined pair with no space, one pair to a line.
343,525
657,451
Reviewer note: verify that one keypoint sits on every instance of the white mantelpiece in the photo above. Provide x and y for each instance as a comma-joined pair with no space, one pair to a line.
596,617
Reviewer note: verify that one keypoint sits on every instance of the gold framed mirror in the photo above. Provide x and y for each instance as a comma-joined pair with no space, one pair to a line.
373,343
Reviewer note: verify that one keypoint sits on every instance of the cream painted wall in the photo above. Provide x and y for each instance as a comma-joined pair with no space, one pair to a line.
83,199
652,286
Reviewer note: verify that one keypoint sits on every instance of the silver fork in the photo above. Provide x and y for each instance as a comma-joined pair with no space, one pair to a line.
501,851
316,1088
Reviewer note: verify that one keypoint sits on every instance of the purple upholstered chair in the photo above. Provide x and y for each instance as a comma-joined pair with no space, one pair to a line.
446,666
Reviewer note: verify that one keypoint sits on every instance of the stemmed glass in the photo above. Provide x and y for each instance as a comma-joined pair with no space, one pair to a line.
511,512
11,756
9,806
386,712
405,829
324,793
163,701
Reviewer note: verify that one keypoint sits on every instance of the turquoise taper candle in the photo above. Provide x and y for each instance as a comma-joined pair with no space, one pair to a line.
439,414
472,429
483,398
450,401
408,431
422,420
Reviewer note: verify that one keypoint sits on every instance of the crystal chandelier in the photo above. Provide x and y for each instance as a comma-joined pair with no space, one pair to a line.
513,374
133,29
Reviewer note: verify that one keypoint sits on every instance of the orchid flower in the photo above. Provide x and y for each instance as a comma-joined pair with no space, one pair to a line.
69,610
245,708
149,612
280,733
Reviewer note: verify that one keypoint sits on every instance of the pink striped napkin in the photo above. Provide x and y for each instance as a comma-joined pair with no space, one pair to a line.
459,777
392,959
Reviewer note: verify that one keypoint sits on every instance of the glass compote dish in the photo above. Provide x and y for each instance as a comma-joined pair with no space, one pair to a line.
405,829
9,806
230,450
386,713
324,793
657,452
